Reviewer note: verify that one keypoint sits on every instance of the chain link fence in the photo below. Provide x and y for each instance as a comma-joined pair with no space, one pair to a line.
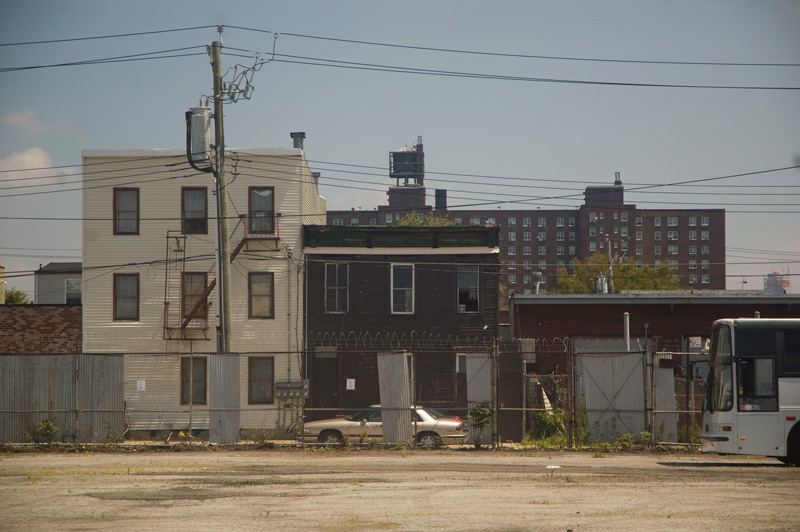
570,393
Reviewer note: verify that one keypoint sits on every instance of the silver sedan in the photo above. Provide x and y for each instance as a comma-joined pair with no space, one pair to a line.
430,428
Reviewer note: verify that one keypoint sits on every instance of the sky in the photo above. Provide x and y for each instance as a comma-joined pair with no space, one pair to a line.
559,95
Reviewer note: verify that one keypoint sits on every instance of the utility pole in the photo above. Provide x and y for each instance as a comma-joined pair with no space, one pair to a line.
222,203
610,268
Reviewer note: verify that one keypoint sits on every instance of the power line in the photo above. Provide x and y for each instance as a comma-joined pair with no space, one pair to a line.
515,55
145,56
351,65
114,36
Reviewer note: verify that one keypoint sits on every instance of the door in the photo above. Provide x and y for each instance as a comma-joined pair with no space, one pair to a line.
324,386
759,430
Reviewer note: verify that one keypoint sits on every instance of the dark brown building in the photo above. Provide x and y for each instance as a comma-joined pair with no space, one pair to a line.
430,292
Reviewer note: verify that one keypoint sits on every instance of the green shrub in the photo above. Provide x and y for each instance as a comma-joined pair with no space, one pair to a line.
45,432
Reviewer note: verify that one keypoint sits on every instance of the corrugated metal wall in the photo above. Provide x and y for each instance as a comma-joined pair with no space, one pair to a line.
80,394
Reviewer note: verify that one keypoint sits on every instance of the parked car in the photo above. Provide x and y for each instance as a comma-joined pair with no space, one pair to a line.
428,425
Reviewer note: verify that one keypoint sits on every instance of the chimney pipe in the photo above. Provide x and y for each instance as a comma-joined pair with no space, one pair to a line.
617,180
297,138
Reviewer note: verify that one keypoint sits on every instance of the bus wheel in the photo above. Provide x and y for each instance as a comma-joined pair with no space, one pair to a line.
793,446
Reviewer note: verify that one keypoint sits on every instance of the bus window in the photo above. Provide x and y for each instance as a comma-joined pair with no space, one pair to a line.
758,343
756,384
720,392
791,348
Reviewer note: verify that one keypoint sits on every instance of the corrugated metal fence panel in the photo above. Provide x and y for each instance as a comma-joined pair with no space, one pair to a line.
101,404
38,388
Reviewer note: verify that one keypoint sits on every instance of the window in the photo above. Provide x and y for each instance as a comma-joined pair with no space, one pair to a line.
560,250
572,250
542,236
336,282
616,230
353,221
704,250
616,215
593,231
512,279
572,235
72,291
692,221
592,216
542,250
559,222
527,279
657,235
527,265
706,279
512,222
638,264
692,264
657,263
692,235
126,211
757,390
624,216
402,283
526,250
526,236
704,264
512,250
373,221
639,250
657,250
703,235
672,221
389,219
692,279
193,295
672,235
126,296
638,235
260,380
601,215
262,210
542,222
592,246
624,231
193,380
572,221
468,289
526,222
672,250
512,236
692,250
338,221
639,221
560,264
657,221
490,221
194,211
704,220
474,221
542,265
261,300
672,263
512,265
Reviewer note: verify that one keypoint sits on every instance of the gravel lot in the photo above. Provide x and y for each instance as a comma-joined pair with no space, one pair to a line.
331,490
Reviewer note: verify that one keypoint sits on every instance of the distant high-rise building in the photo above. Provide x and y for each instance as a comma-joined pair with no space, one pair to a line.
777,283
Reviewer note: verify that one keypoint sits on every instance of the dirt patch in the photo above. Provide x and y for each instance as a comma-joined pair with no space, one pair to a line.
388,490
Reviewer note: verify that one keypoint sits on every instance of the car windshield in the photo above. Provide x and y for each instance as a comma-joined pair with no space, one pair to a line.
434,414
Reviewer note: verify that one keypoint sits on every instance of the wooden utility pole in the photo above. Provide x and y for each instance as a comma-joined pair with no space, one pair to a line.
224,297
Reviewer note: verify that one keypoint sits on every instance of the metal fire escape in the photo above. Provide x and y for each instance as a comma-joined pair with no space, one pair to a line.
193,324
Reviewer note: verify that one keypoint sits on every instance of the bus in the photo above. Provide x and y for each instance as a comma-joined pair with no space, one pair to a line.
752,402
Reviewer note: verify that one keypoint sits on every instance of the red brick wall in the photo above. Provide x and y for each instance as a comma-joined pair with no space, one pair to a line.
665,322
40,329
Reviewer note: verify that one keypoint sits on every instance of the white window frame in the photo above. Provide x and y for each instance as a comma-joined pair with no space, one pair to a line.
392,289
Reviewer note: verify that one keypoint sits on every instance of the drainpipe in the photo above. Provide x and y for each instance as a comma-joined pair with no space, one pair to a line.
627,329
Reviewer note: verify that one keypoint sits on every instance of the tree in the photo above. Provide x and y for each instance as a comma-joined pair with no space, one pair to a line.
626,276
16,297
412,219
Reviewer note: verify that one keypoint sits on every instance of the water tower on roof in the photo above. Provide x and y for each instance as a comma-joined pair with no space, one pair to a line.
407,166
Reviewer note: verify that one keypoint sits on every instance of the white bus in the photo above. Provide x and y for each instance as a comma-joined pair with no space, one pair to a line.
752,403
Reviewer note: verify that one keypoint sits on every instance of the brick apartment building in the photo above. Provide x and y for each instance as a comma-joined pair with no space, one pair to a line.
534,243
